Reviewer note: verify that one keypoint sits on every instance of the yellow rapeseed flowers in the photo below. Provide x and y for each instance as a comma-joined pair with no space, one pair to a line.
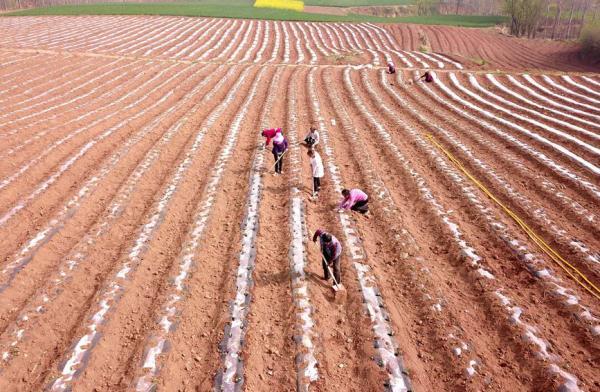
294,5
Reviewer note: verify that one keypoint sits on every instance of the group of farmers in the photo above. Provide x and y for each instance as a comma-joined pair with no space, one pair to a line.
352,199
426,77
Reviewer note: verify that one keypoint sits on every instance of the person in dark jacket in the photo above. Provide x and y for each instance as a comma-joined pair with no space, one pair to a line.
391,68
427,76
280,145
331,249
312,139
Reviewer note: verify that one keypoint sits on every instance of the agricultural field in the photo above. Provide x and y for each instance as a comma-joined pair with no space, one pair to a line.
146,244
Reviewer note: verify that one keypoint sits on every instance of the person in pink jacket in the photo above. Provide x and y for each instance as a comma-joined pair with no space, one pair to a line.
355,200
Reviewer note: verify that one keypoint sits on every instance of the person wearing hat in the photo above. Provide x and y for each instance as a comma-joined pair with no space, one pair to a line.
331,249
312,139
355,200
270,134
316,165
280,145
391,68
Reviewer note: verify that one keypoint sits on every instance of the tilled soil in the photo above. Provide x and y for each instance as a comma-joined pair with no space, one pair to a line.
146,243
488,49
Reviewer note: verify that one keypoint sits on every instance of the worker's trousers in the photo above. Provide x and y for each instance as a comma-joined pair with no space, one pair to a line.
279,164
361,206
336,269
317,184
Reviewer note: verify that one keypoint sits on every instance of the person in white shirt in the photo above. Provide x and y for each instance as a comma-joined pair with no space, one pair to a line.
318,171
312,139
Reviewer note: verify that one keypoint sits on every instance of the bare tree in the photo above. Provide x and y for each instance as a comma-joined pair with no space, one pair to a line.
556,18
525,16
570,19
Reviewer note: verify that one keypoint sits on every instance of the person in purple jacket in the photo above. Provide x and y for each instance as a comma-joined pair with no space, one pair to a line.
355,200
280,145
331,249
391,68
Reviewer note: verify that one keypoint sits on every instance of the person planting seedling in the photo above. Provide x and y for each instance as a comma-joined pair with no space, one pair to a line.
355,200
427,77
312,139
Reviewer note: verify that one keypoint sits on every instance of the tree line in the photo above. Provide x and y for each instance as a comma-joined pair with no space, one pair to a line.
556,19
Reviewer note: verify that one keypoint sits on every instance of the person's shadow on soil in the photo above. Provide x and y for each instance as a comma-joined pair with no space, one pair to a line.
326,289
316,278
276,189
267,278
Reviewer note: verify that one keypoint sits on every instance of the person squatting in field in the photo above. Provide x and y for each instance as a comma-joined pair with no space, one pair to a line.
331,249
355,200
312,139
280,145
270,134
391,68
316,165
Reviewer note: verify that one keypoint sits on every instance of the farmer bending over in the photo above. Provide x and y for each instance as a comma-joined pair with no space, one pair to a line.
355,200
312,139
428,77
331,249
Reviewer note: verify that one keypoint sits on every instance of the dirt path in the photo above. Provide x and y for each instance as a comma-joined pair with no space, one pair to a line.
326,10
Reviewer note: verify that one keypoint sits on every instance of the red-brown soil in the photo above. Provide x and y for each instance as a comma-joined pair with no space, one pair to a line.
147,244
488,49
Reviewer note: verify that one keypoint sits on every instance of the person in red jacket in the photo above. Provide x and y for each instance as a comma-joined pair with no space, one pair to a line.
270,134
331,249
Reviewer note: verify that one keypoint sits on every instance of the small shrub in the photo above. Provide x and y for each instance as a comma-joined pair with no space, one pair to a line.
479,61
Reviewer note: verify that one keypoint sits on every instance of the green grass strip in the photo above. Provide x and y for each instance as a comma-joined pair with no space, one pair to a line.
357,3
243,10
